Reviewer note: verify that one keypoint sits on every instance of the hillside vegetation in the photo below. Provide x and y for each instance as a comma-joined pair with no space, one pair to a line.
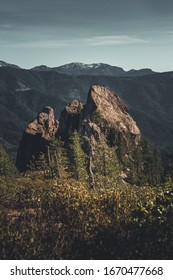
48,215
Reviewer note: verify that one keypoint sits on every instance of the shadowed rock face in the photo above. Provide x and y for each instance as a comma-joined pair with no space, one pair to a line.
69,119
36,137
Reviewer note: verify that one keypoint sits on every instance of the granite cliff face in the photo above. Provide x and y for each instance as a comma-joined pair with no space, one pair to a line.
104,114
36,137
103,109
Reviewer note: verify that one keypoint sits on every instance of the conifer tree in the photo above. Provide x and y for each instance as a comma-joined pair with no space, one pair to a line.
152,165
106,166
7,167
79,158
158,168
90,164
57,158
32,168
42,164
136,166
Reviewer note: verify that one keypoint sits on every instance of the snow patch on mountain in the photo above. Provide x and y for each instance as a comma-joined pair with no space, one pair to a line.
80,65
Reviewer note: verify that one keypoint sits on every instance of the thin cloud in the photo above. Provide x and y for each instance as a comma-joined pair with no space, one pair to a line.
37,44
46,44
5,26
169,36
91,42
114,40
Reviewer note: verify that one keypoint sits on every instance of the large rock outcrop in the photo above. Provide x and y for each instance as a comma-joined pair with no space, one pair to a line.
36,137
106,113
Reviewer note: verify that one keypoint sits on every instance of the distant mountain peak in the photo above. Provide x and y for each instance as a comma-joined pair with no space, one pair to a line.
96,69
41,68
79,65
83,65
5,64
141,72
93,69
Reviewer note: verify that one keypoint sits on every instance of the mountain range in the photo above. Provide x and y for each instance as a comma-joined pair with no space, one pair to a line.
23,93
95,69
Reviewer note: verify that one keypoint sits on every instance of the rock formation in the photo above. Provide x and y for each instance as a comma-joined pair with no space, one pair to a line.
105,112
36,137
69,119
104,115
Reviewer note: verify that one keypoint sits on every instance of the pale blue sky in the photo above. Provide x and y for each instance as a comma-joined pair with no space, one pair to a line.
126,33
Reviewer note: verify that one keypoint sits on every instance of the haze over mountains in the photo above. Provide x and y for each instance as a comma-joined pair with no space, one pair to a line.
23,93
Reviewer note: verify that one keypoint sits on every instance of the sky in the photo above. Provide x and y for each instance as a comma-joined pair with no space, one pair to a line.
132,34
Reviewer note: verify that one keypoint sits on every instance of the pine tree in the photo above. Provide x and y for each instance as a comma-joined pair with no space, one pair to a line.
42,164
79,158
152,165
136,167
106,166
157,168
7,167
90,173
57,158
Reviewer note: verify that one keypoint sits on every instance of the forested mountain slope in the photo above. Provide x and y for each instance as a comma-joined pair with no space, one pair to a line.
25,92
